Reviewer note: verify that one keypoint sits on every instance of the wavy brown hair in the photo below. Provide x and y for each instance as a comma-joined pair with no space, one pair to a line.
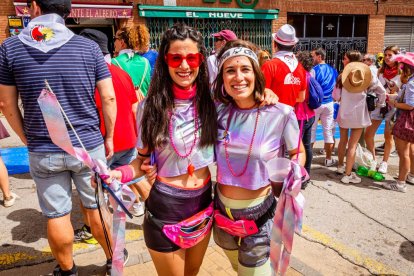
407,72
393,48
259,83
160,97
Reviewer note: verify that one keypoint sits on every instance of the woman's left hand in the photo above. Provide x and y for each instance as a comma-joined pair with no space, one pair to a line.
392,103
269,98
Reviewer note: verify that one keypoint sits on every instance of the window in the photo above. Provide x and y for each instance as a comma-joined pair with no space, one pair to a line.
330,26
345,26
313,25
297,22
361,26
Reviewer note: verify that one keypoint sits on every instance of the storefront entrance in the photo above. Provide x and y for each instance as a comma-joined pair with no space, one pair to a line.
335,33
256,31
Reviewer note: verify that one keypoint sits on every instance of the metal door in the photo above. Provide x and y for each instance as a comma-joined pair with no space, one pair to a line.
257,31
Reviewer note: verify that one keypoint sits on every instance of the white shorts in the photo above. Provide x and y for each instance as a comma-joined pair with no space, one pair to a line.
325,114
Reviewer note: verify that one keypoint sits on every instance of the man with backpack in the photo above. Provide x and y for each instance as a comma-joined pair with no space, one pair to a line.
326,76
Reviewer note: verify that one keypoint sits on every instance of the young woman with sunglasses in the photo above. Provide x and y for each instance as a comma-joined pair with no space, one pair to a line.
180,130
249,136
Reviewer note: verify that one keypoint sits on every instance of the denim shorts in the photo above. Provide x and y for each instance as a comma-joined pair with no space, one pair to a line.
253,250
122,158
376,115
53,174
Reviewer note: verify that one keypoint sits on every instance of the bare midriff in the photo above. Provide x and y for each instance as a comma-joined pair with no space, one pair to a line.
241,193
199,178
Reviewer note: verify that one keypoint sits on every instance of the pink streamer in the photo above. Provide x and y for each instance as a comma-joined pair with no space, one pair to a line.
56,126
287,220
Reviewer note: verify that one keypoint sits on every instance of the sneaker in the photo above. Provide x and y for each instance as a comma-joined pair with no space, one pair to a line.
109,262
394,153
59,272
137,209
380,148
83,235
352,178
341,169
410,179
396,186
330,162
383,167
8,202
305,184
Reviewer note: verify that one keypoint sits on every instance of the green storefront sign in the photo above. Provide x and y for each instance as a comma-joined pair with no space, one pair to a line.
213,13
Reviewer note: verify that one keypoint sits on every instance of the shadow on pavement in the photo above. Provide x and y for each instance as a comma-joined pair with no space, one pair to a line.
407,250
32,225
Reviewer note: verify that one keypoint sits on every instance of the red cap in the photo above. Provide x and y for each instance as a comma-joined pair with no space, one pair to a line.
226,35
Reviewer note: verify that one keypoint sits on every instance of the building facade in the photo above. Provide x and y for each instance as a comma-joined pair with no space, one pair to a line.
337,25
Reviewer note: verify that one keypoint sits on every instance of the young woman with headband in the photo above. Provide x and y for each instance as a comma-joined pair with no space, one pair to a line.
249,136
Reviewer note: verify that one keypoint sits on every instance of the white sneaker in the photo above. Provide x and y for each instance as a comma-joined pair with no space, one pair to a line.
8,202
396,186
341,169
410,179
352,178
330,162
137,209
383,167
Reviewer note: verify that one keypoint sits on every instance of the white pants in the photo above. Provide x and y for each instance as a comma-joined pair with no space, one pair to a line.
325,114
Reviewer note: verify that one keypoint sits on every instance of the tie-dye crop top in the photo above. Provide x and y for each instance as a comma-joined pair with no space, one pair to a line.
277,127
169,164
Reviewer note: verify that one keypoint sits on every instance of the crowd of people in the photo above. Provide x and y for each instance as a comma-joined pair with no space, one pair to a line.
159,119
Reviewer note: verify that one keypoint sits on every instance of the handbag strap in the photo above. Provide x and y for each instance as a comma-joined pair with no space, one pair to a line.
145,72
119,65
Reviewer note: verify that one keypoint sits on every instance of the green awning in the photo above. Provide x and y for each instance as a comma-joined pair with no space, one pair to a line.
202,12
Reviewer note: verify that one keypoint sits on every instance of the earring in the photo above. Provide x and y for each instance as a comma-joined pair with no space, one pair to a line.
223,92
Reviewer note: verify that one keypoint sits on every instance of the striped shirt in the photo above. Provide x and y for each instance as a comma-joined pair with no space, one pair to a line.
72,71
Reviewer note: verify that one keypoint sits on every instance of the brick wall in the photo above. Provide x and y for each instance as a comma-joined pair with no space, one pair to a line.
376,30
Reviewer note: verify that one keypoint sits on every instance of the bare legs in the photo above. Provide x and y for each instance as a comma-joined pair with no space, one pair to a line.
406,155
181,262
60,237
4,180
352,142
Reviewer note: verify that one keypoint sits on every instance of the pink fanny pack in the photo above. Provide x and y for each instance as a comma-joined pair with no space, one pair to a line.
240,228
189,232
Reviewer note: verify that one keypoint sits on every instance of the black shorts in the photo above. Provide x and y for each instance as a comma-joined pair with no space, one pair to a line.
172,205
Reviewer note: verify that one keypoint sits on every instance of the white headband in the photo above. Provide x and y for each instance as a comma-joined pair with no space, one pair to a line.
238,51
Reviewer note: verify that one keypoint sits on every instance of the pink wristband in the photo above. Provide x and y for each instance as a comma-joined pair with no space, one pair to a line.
127,173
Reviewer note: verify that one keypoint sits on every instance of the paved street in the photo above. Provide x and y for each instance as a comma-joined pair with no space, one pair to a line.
348,230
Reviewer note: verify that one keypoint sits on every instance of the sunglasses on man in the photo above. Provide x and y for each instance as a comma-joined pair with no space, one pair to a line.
175,60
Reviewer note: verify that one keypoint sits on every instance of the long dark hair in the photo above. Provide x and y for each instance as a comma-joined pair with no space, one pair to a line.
160,97
259,83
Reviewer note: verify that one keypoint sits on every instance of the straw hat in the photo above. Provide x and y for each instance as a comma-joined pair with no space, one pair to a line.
356,77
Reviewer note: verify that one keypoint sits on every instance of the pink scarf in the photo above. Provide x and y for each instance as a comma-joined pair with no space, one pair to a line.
184,94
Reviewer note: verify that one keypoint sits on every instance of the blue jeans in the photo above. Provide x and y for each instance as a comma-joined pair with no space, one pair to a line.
53,173
306,139
122,158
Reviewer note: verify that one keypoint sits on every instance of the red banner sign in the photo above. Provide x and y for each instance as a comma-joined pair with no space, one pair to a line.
87,12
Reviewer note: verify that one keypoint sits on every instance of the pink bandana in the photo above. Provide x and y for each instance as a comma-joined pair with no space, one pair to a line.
183,94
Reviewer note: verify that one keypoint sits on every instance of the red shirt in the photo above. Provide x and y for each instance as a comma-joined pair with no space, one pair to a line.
125,130
284,84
